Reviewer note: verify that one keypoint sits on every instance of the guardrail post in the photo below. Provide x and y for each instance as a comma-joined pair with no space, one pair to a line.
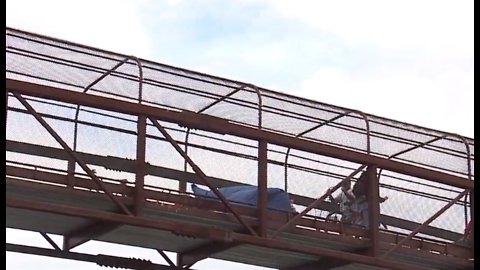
373,196
262,188
140,171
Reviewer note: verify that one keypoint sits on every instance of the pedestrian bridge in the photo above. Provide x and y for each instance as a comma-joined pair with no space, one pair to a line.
103,146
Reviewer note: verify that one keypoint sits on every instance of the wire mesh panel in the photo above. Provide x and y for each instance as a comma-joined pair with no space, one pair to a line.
101,134
24,128
417,200
49,61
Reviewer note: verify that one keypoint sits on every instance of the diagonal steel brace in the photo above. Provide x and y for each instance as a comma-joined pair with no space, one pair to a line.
71,153
201,174
314,203
428,221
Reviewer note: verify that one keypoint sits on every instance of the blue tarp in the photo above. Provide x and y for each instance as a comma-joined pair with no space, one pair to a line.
278,199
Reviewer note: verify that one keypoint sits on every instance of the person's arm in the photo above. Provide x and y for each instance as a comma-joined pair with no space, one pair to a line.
331,198
349,194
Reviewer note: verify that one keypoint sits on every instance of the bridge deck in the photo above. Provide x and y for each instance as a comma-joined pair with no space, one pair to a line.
183,210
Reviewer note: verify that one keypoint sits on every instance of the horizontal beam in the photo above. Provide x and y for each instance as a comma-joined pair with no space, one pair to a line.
198,207
185,205
222,126
411,225
100,259
216,234
189,257
86,233
195,207
129,166
325,263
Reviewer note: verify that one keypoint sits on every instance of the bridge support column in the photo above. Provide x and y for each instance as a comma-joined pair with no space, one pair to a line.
262,188
373,196
140,170
472,217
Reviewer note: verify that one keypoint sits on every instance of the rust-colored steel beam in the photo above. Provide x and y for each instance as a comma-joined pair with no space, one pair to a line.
428,221
201,175
183,204
373,209
216,234
70,152
262,188
410,226
6,108
260,105
77,111
100,259
324,263
116,163
314,203
191,203
191,256
50,241
140,171
165,257
88,87
129,166
222,126
86,233
112,162
70,171
472,217
182,185
311,228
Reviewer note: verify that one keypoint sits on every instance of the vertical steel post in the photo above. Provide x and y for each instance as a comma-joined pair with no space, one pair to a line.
6,109
70,172
140,170
182,185
472,215
262,188
373,196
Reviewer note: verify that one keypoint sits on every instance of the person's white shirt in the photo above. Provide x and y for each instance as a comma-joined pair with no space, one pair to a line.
344,200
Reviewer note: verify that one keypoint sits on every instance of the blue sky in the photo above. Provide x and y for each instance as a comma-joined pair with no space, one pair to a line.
411,61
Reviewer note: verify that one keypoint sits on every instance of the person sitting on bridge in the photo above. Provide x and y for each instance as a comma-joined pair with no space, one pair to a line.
360,204
345,199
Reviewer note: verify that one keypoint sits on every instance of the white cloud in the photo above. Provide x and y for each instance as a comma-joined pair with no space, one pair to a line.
388,24
110,24
405,96
407,60
411,48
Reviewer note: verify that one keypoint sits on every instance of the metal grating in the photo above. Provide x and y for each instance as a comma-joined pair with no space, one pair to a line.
40,59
